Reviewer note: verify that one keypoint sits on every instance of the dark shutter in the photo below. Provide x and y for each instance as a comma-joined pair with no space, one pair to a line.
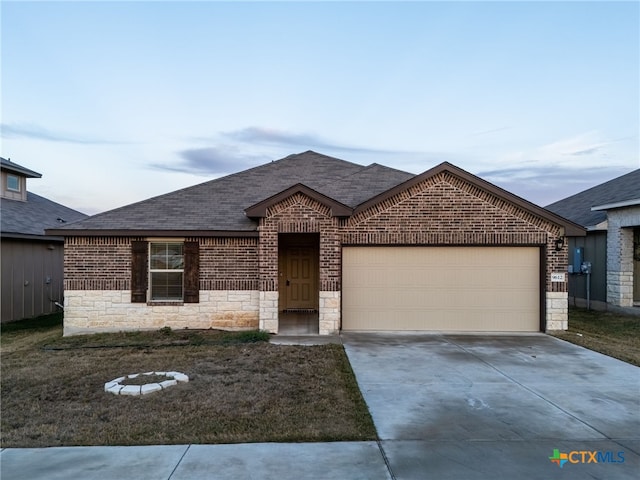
191,272
139,276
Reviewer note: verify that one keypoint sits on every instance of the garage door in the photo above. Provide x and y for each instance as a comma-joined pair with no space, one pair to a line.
490,289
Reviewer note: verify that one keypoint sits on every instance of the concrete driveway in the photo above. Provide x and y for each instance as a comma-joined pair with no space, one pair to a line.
498,406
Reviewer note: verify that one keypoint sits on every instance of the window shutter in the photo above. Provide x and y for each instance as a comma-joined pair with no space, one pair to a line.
191,272
139,274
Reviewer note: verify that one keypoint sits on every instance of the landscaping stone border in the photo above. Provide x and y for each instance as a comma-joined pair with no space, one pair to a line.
116,387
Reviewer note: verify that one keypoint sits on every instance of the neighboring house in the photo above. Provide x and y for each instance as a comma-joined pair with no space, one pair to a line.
32,262
350,247
611,214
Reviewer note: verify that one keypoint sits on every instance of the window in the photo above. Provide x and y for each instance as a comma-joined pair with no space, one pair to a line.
13,183
166,271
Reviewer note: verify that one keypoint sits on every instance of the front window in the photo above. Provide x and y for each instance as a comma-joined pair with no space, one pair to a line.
166,271
13,183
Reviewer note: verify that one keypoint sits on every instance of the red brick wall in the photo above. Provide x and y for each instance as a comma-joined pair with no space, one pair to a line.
229,264
104,263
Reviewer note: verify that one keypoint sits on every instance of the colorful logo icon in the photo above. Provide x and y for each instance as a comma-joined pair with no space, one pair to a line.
559,458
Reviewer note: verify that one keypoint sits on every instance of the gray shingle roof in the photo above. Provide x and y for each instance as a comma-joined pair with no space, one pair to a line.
10,166
32,217
577,208
218,205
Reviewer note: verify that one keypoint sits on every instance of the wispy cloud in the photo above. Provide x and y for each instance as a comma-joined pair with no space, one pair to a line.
232,151
212,161
37,132
260,135
560,168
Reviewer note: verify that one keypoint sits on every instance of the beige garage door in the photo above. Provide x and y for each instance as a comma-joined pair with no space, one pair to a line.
489,289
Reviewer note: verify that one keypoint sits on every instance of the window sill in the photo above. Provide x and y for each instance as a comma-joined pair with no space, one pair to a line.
159,303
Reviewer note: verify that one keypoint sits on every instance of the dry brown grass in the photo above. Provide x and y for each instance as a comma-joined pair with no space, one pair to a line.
611,333
53,391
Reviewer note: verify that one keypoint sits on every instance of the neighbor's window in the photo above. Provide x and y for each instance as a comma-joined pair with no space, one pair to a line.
166,271
13,183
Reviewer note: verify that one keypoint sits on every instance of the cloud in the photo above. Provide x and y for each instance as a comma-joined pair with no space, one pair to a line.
236,150
36,132
212,161
308,141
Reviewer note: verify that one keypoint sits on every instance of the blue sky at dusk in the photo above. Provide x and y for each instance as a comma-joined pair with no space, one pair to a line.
115,102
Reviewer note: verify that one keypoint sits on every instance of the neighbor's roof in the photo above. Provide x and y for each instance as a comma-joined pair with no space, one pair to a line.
230,205
30,219
577,208
9,166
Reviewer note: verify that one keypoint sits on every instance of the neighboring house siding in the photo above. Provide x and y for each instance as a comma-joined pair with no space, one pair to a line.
594,250
31,278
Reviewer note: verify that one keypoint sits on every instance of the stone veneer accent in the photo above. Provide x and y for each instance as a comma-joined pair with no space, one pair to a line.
269,311
620,255
329,316
92,311
557,311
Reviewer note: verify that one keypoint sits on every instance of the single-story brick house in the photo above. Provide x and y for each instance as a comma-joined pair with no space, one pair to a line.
354,247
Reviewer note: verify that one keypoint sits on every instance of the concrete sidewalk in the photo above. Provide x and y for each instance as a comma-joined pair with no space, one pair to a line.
286,461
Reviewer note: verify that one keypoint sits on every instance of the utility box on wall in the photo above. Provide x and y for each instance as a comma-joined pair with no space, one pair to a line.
578,259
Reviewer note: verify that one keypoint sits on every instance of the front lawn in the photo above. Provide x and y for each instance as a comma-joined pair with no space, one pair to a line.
613,334
240,389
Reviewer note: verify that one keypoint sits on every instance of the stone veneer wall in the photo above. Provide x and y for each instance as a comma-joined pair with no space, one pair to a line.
92,311
620,255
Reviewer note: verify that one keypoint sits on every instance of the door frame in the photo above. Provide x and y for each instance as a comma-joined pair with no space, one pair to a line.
286,242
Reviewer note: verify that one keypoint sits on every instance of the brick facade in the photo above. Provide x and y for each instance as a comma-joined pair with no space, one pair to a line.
440,210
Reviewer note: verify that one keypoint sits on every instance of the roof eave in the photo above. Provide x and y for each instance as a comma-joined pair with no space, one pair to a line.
151,233
610,206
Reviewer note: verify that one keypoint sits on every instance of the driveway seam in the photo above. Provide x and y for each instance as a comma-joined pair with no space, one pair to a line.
179,462
528,389
385,459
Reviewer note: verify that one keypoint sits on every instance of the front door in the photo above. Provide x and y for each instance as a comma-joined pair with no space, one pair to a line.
300,278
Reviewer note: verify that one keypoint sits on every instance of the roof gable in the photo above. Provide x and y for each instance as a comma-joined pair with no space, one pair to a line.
570,228
336,208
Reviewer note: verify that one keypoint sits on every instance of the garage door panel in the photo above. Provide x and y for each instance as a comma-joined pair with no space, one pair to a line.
441,288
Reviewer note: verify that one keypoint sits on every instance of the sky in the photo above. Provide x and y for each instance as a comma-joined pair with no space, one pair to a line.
116,102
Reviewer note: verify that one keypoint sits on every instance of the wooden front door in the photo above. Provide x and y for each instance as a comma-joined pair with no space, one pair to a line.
299,280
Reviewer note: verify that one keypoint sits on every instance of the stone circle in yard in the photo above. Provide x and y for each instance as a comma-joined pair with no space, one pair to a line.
116,387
